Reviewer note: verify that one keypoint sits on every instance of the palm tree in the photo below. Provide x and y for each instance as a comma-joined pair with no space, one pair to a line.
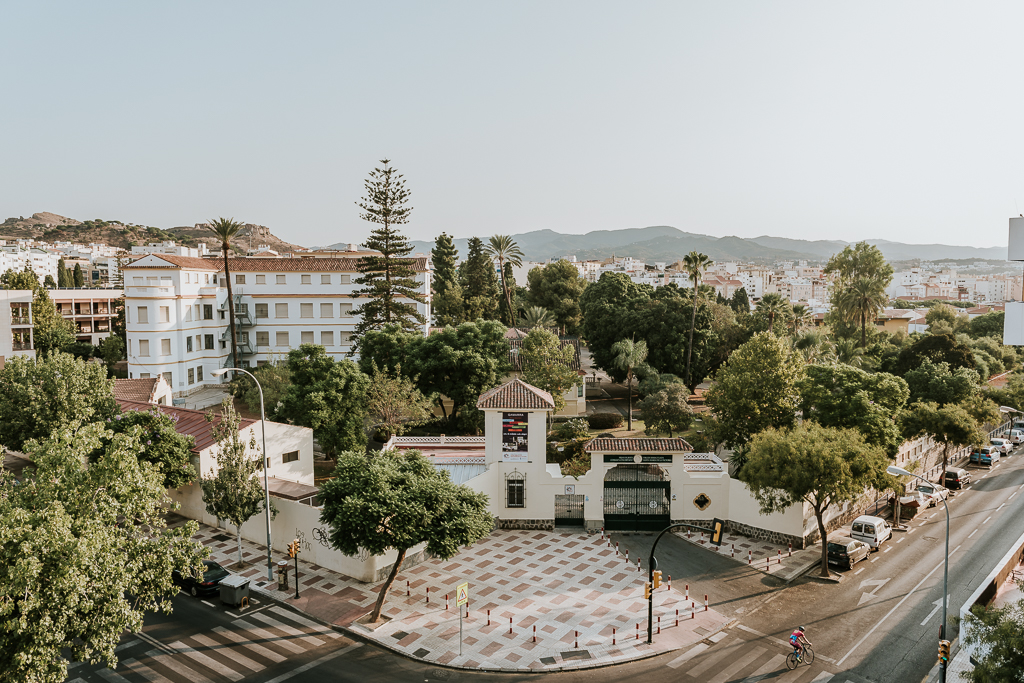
629,355
538,316
773,304
801,314
862,300
848,353
696,265
226,229
813,345
507,251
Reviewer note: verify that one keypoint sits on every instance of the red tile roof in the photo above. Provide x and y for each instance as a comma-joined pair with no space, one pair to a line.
607,445
515,395
136,390
187,421
181,262
306,265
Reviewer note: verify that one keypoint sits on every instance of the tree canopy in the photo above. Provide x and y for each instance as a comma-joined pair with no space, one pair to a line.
393,402
480,295
547,364
997,633
942,348
936,383
558,287
160,444
666,410
447,301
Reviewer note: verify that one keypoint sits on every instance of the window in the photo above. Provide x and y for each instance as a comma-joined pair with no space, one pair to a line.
165,314
326,310
188,314
191,376
345,336
144,348
222,313
143,315
262,339
280,310
239,279
325,279
281,280
515,490
305,310
188,344
307,279
307,338
262,310
243,338
579,391
326,339
290,457
137,281
165,347
281,339
199,342
208,341
199,373
345,310
167,376
346,279
261,279
144,375
207,311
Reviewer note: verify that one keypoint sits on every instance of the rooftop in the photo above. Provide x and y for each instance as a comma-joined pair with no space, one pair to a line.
612,445
135,390
187,421
515,395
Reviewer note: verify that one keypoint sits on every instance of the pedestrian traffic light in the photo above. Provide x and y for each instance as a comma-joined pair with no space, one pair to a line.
293,548
943,651
647,590
717,531
657,579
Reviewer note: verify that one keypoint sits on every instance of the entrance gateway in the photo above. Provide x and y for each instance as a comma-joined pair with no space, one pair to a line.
637,497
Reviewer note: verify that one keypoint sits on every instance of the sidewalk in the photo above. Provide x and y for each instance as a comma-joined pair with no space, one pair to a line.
776,559
569,591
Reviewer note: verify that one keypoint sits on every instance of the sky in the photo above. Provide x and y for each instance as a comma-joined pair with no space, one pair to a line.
808,120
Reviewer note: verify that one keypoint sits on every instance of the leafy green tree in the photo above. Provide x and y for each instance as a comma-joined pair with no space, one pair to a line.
655,382
740,302
388,349
988,325
849,353
111,350
942,312
274,377
395,500
997,636
757,388
44,394
801,314
558,288
772,314
538,316
821,466
479,283
666,410
49,283
447,302
861,302
605,304
934,382
394,403
942,348
232,491
19,279
696,265
160,444
629,355
814,346
547,365
861,275
389,279
87,553
62,274
226,229
844,397
79,277
51,332
505,249
951,425
327,396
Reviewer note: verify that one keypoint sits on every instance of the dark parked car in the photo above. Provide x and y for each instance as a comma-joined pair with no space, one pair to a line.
210,583
843,551
957,478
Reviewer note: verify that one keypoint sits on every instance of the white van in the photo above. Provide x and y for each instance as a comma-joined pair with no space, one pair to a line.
871,530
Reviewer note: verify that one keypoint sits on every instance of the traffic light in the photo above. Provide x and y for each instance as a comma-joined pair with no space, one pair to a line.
943,651
717,531
293,548
657,579
647,590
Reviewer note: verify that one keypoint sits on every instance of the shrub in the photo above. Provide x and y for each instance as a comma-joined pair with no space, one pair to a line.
605,420
577,428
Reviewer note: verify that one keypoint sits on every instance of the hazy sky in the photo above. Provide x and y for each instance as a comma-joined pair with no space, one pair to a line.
900,121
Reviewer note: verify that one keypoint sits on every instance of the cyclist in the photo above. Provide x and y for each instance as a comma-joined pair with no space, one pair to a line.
795,639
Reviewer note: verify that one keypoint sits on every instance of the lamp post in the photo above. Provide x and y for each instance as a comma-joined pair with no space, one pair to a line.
899,471
266,483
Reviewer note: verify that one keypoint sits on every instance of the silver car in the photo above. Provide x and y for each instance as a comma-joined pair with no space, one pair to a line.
934,492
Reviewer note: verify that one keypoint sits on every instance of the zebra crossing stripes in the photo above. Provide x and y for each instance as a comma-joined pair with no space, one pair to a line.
141,669
293,632
207,661
212,645
254,647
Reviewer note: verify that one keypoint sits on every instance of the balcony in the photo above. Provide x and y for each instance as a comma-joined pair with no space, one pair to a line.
21,346
21,320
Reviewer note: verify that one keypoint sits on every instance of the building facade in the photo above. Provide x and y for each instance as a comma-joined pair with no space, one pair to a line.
92,311
16,321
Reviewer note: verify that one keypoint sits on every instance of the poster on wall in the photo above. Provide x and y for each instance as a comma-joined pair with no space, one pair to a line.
514,437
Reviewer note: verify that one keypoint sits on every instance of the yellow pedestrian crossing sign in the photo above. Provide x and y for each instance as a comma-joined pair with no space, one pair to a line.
462,594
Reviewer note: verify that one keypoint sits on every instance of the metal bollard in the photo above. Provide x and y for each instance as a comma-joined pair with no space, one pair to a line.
750,558
780,557
638,631
613,635
733,554
677,616
510,625
576,640
627,554
428,595
535,633
705,602
659,624
638,565
767,563
692,609
670,582
408,590
488,617
791,550
616,547
687,596
445,602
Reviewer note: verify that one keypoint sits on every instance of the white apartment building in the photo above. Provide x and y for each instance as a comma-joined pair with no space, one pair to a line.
91,311
39,261
169,248
16,321
177,316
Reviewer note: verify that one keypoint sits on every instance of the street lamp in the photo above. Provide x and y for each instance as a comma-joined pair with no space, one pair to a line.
899,471
266,483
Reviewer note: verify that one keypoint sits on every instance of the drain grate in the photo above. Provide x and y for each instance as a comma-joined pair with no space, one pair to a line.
398,635
547,660
575,654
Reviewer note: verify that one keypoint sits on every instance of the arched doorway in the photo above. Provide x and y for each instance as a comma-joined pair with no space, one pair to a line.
637,498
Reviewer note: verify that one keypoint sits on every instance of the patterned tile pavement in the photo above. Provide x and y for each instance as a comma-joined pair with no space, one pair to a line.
572,589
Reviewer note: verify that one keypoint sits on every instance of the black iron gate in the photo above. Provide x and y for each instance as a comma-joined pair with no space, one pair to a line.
568,510
636,498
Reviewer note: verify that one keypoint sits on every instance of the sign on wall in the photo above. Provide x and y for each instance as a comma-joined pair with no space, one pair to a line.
514,437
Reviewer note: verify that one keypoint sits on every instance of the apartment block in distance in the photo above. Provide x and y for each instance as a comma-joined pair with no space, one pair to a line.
16,320
177,315
91,310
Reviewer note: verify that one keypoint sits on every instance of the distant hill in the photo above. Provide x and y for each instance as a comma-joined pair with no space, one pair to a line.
665,243
51,227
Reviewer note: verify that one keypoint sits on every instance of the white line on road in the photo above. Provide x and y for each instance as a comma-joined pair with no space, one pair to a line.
858,571
898,605
1000,507
987,518
873,560
887,549
1012,495
938,604
315,663
900,539
689,654
973,532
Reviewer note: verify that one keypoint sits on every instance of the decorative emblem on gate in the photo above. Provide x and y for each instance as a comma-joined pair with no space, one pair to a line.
653,505
619,504
702,502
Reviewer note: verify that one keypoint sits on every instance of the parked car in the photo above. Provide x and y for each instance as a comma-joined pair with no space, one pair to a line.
1005,446
213,573
935,492
843,551
985,456
871,530
1015,436
957,478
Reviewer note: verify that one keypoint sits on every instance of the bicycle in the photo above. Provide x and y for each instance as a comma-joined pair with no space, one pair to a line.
794,660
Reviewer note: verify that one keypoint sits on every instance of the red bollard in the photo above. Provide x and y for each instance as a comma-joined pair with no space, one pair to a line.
616,547
780,557
488,617
677,616
702,538
750,558
791,550
767,563
659,624
445,602
613,635
535,633
688,533
705,602
408,591
576,640
692,609
638,631
638,565
428,595
627,554
687,596
510,625
733,554
670,582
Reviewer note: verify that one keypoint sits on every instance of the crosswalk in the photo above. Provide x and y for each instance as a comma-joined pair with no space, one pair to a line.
734,657
252,643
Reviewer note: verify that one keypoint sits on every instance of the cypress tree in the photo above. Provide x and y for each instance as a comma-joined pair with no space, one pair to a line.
479,283
62,274
79,277
448,307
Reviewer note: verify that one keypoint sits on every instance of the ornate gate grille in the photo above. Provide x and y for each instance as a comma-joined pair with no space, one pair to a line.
636,498
568,510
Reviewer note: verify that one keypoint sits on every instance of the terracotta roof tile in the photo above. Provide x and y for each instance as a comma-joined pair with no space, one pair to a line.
515,395
138,390
607,445
187,421
306,265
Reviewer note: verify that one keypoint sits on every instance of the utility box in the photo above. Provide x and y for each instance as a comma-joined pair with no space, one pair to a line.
234,589
1016,242
282,575
1013,323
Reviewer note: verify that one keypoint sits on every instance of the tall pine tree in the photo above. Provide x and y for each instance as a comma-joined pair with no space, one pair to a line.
480,291
447,303
388,280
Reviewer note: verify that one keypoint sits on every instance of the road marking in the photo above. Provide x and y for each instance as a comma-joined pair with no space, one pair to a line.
1012,495
299,619
873,559
938,604
109,675
173,664
900,539
207,661
887,548
911,530
823,677
771,668
898,605
1000,507
141,669
726,673
877,583
126,644
266,635
683,658
255,647
987,518
973,532
155,643
858,571
315,663
226,651
289,630
207,603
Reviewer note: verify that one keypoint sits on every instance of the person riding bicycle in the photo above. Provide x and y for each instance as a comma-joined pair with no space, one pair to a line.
797,640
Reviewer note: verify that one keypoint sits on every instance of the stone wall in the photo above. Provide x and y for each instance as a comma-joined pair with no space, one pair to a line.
526,524
765,535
